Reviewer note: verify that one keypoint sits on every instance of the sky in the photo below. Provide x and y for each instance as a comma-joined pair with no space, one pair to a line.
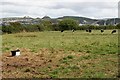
97,9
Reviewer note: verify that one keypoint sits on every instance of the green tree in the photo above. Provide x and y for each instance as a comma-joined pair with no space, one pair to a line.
68,24
7,29
55,27
47,25
15,27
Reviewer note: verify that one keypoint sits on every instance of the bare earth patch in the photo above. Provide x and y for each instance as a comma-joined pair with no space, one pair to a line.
61,64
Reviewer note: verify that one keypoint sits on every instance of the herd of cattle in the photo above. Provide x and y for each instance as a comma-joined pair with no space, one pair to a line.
102,30
90,30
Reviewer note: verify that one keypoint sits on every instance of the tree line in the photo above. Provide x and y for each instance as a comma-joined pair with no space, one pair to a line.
46,25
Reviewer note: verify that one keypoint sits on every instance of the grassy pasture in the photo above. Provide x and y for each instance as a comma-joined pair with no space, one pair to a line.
65,55
80,41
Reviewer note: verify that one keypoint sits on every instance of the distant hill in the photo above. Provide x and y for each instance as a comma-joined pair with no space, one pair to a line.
46,18
80,20
84,20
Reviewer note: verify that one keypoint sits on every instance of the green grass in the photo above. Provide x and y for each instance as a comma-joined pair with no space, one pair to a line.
79,41
82,54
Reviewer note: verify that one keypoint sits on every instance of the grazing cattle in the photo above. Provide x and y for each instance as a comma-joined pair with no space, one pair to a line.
90,30
62,30
87,30
114,31
102,30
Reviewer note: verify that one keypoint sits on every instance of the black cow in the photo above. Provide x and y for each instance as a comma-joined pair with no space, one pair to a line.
114,31
87,30
62,30
90,30
102,30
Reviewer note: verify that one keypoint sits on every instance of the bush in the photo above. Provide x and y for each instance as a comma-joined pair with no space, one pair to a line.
118,26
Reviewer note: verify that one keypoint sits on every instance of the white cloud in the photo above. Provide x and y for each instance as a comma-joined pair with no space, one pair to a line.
55,8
